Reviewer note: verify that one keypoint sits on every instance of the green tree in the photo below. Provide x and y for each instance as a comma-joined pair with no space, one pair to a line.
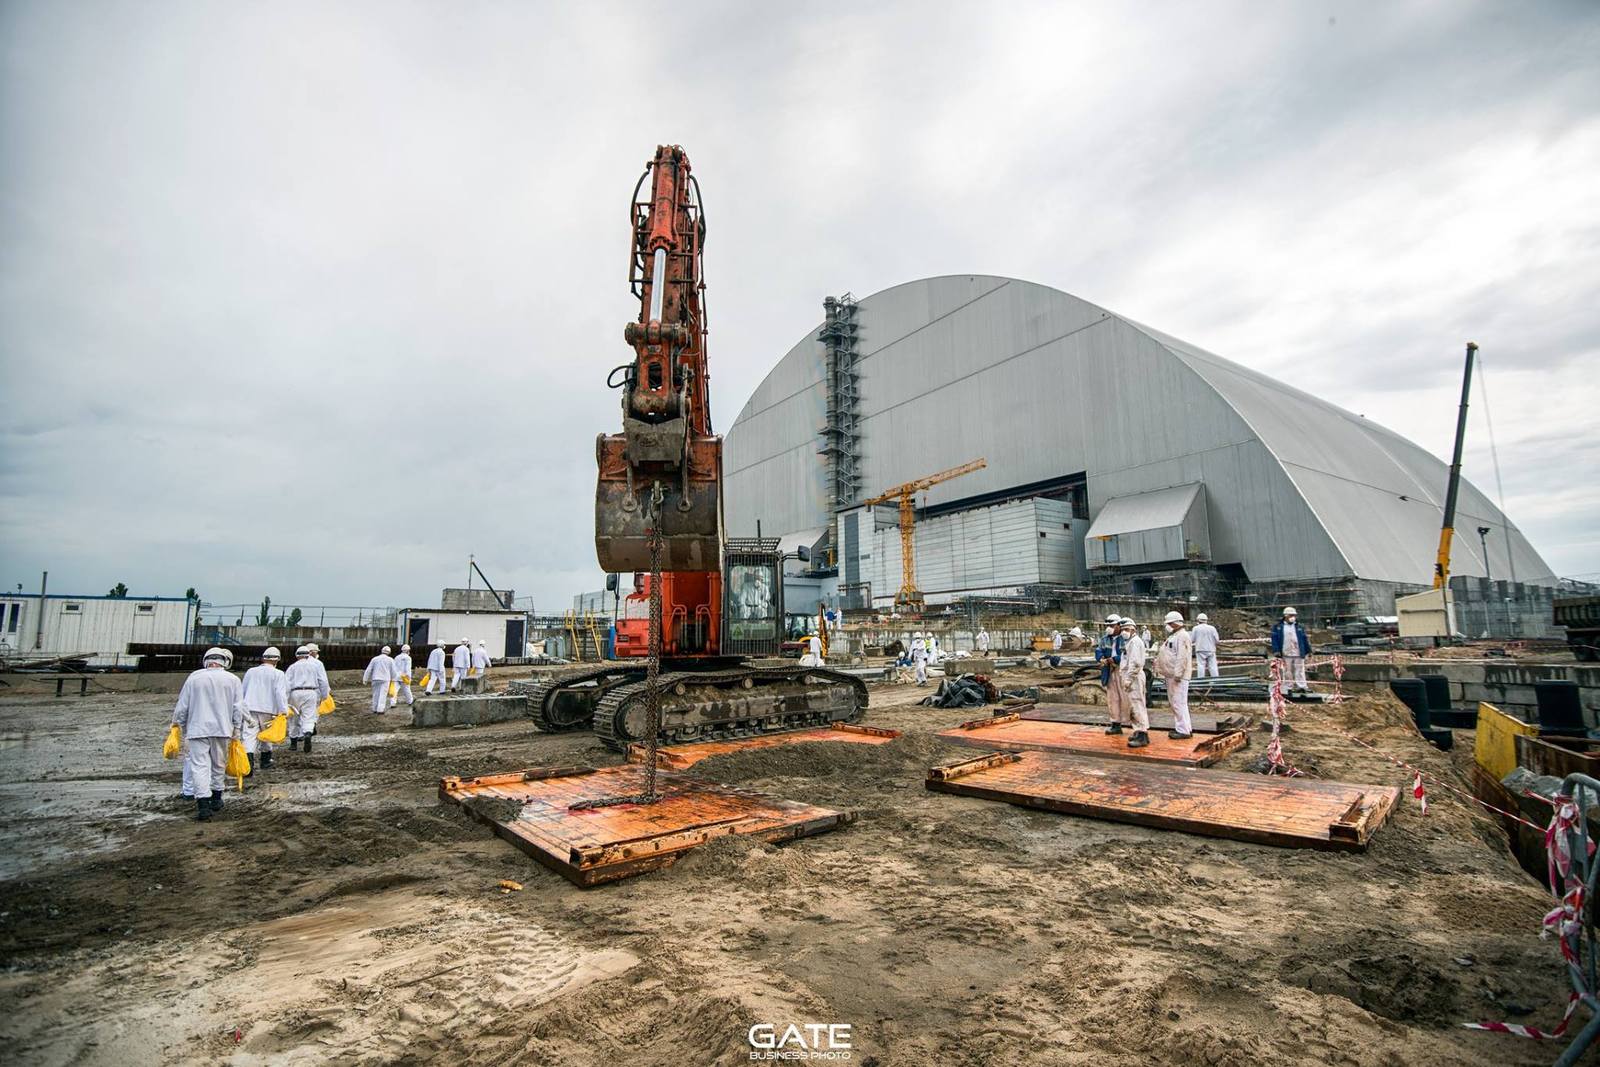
295,617
265,614
119,590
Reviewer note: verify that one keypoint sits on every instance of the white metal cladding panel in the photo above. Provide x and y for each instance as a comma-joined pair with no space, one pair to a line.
1145,511
977,549
99,628
1352,472
475,626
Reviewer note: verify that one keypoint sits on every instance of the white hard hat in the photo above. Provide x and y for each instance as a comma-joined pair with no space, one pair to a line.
1113,619
480,644
272,653
439,643
1202,617
312,647
385,650
302,651
219,655
1126,623
405,648
1172,617
1290,611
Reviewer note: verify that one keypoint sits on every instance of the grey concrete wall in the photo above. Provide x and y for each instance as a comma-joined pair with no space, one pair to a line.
1507,684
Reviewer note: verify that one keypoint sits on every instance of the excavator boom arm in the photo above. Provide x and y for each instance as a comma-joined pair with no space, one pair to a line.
663,472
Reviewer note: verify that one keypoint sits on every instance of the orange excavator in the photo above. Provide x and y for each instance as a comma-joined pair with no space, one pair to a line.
705,608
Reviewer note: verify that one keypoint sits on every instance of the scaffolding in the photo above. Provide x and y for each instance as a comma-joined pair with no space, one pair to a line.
841,434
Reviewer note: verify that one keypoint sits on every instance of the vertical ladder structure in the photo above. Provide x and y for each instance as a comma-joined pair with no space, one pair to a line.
841,434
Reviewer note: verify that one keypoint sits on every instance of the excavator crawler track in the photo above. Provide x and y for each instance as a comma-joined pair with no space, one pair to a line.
567,703
726,704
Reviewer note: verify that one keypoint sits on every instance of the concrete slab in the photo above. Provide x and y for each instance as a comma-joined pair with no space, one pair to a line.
468,710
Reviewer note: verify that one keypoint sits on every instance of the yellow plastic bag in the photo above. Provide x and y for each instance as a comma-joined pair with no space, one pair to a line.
174,743
238,762
427,679
327,705
277,732
394,687
472,672
405,679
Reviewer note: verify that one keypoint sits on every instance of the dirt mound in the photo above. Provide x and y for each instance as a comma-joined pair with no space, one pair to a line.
911,754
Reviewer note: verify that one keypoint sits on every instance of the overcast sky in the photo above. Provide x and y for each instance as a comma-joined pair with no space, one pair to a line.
313,300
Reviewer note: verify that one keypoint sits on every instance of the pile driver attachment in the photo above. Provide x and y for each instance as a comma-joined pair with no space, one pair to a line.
663,472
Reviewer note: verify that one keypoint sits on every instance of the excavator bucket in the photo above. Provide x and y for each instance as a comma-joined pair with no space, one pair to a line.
691,521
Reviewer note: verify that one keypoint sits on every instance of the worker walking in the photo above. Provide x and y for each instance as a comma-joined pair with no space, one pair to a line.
480,665
460,663
308,686
813,656
266,695
1291,644
436,668
209,712
1173,663
379,673
402,676
1205,647
1130,674
983,641
919,658
1108,653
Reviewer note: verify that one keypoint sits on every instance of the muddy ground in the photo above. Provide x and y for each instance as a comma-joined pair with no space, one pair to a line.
338,912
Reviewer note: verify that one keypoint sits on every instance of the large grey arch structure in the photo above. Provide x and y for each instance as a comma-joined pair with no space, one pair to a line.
1044,384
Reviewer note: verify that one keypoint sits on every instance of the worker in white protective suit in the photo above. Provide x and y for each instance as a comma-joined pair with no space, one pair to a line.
436,668
480,664
933,648
209,712
919,657
379,673
266,695
1206,640
983,641
402,674
813,654
460,663
308,686
1292,644
1130,674
1055,640
1173,663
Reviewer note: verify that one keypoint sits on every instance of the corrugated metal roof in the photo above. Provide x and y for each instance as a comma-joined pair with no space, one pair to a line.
791,541
1144,511
974,365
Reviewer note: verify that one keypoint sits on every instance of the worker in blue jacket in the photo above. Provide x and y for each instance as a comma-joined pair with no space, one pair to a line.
1108,653
1291,644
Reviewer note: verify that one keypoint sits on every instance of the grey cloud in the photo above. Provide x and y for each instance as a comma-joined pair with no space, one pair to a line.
315,300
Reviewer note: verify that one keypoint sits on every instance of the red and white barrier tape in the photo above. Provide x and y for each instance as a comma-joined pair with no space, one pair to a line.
1275,761
1565,920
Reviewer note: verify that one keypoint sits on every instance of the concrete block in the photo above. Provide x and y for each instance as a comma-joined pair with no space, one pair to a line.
971,665
468,710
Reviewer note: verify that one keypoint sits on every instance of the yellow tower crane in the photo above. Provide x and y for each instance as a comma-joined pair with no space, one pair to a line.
909,599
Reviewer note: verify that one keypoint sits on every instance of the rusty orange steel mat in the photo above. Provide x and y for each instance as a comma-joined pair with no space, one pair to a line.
677,757
1160,719
1291,812
1013,732
603,844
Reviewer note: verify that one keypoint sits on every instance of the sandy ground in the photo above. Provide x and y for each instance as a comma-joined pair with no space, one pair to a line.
338,912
